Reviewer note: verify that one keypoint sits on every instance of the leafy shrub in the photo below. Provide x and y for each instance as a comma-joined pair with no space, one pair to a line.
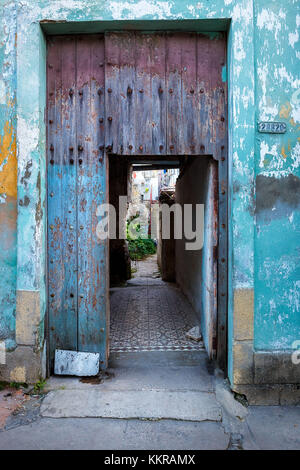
141,248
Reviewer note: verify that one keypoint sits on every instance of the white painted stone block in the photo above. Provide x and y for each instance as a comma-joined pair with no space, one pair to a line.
76,363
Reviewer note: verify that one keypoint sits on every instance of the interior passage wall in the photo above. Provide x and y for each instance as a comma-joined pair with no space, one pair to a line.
196,269
119,185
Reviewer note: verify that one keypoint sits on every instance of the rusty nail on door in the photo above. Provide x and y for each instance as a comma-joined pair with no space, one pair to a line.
223,191
171,90
201,90
160,90
80,93
129,91
101,120
52,295
141,148
222,158
80,161
71,92
71,161
101,147
141,91
51,162
109,90
99,92
71,295
51,148
80,148
191,91
50,66
102,330
50,121
222,118
51,227
130,147
109,118
171,147
51,194
202,148
81,227
71,149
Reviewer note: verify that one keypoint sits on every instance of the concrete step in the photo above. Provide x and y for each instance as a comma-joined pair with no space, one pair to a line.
149,359
156,378
142,404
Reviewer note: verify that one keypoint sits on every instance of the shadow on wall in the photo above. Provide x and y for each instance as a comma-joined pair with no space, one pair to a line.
196,270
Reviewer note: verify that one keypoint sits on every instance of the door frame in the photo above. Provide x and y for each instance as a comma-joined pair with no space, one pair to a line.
31,231
221,255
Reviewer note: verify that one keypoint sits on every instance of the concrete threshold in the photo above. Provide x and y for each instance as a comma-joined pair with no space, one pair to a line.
150,359
142,404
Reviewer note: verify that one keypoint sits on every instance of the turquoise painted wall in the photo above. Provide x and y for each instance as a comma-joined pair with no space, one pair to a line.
8,173
277,168
263,84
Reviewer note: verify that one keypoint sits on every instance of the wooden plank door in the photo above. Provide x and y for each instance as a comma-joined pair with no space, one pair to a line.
166,95
128,93
76,165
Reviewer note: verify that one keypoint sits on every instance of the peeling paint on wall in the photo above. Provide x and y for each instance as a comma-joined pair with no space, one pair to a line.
8,174
277,238
263,37
8,162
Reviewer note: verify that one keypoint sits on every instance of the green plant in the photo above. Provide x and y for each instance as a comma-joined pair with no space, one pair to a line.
141,248
16,385
39,386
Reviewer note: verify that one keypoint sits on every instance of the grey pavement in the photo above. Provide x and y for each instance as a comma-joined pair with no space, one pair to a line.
158,399
168,400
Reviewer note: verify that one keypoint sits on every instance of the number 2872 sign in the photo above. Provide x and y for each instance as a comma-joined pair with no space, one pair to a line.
272,127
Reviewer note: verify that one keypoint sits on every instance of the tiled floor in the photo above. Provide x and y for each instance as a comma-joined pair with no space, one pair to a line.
150,314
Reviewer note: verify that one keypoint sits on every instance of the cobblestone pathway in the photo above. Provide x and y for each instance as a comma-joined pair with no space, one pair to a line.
150,314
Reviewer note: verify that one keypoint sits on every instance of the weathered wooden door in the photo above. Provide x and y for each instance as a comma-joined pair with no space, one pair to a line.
76,186
129,94
166,94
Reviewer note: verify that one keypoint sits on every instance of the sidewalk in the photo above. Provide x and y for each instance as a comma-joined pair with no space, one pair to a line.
164,400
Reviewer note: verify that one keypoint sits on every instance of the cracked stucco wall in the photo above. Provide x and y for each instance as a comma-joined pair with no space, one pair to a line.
277,234
263,47
8,173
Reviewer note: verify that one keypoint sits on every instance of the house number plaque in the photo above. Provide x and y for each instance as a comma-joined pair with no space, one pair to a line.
272,127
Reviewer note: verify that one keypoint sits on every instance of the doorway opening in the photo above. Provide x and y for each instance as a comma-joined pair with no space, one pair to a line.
133,102
163,273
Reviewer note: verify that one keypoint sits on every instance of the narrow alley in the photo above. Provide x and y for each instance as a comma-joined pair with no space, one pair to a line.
150,314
